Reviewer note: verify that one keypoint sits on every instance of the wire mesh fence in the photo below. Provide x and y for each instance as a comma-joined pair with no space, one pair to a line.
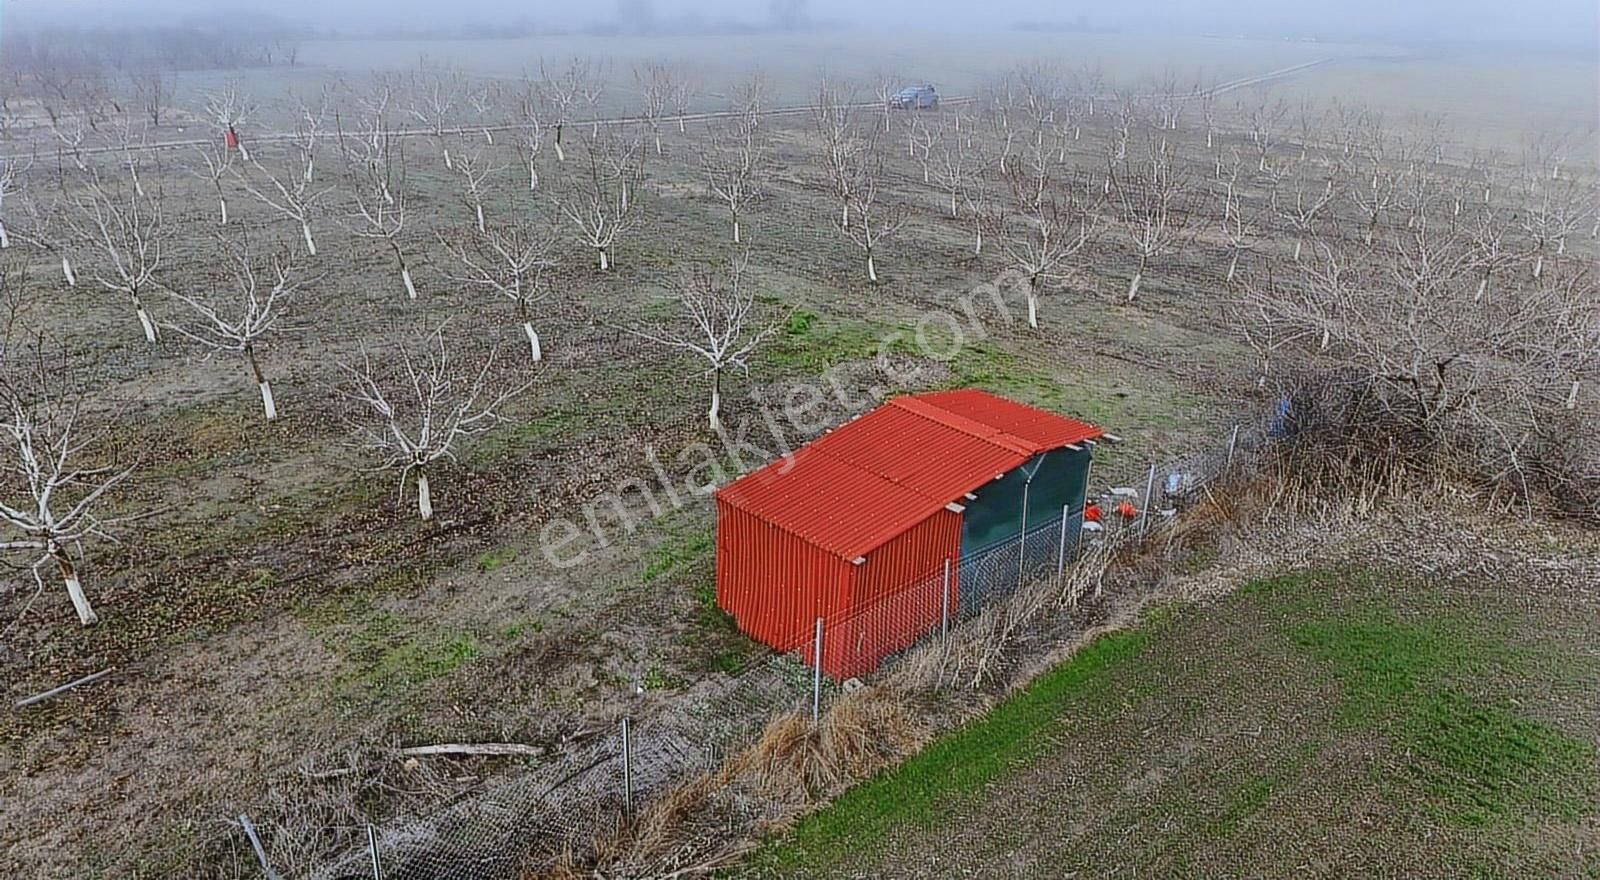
969,621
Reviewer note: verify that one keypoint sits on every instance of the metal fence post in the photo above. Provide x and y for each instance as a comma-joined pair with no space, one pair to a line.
944,603
627,765
816,676
1061,543
255,844
372,851
1022,539
1088,472
1149,492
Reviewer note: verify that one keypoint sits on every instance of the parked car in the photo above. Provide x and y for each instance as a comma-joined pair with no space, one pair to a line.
915,98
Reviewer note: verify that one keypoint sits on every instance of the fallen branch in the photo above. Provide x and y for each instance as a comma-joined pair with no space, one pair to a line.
473,749
53,692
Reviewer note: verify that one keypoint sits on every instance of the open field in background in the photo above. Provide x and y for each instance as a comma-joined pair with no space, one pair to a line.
958,63
283,612
1493,100
1327,723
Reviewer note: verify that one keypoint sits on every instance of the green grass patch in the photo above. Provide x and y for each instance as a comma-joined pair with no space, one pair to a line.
809,343
493,559
1479,759
524,435
678,551
961,764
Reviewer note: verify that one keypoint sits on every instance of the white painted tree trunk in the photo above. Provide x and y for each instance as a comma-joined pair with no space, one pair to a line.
80,602
1483,287
1133,286
311,164
844,219
561,155
658,143
145,322
67,273
736,230
1033,310
268,405
533,341
1233,266
305,229
1572,396
1297,244
243,153
533,176
1561,246
872,270
605,261
977,249
447,162
1538,266
479,208
5,240
411,289
715,412
681,129
222,203
424,497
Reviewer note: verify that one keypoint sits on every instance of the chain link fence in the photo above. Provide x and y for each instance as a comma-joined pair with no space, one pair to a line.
972,621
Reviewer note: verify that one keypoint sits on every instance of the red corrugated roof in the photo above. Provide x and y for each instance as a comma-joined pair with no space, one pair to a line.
1038,429
872,478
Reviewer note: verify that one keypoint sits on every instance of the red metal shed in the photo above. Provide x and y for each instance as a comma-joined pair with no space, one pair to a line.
845,527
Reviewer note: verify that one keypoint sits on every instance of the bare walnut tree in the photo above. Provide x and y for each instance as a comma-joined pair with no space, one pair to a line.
50,502
719,323
129,233
601,200
1046,231
379,209
10,172
1155,208
230,109
239,321
735,166
292,195
415,420
510,260
658,83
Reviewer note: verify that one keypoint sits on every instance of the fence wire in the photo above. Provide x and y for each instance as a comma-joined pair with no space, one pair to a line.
530,822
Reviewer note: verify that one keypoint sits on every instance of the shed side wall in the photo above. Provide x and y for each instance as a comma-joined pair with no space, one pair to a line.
896,597
774,583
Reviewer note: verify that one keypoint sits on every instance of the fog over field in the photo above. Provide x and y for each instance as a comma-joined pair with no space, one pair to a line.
1565,22
520,439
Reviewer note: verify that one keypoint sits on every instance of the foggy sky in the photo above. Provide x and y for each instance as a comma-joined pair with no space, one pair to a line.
1572,23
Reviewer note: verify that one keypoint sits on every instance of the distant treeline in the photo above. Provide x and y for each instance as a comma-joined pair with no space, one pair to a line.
241,41
1079,25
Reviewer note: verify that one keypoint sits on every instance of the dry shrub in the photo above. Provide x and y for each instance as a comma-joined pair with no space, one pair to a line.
863,732
1350,449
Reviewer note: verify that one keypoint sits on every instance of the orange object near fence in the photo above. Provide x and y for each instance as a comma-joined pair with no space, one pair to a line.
1126,510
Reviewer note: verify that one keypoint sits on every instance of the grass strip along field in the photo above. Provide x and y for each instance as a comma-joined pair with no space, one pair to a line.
1314,724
